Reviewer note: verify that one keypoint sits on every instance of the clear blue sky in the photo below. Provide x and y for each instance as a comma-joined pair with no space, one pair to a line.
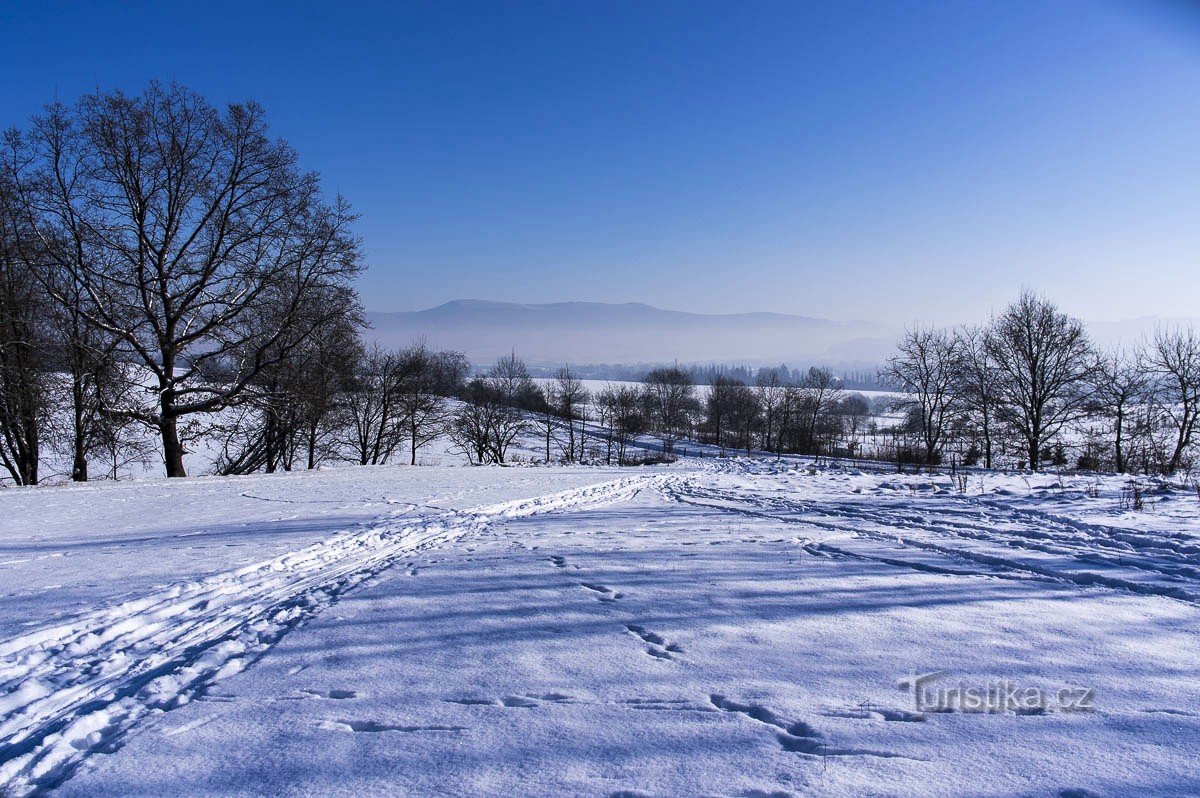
889,160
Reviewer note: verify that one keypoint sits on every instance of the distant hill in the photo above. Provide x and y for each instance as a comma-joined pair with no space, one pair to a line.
597,332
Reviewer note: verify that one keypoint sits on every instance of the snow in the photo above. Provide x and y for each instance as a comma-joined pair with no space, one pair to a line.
742,627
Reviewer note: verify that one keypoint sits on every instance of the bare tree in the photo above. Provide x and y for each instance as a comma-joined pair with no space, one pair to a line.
290,408
1174,358
1043,362
493,411
375,418
326,366
509,379
925,370
43,170
426,377
484,426
820,392
1120,385
606,414
192,219
769,386
544,407
857,411
627,413
743,417
25,389
977,386
569,400
719,405
672,399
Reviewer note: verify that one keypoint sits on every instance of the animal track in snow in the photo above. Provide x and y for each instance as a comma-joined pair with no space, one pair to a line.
527,701
602,593
867,711
796,736
657,646
665,705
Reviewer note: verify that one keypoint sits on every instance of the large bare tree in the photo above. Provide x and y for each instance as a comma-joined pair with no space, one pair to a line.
1043,361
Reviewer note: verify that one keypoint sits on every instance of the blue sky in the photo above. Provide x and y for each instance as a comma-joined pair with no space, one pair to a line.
884,160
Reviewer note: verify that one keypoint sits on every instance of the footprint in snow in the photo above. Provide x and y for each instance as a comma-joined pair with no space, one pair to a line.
601,592
657,646
336,695
372,726
527,701
794,736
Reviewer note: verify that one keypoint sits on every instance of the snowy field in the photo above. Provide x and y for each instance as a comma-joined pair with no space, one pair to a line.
720,628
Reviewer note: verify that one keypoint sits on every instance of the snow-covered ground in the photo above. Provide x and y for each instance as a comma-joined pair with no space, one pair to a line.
740,627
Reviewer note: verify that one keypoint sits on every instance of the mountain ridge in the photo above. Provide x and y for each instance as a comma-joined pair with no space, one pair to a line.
628,332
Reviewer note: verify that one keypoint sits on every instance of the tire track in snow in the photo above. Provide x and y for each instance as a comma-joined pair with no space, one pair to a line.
74,688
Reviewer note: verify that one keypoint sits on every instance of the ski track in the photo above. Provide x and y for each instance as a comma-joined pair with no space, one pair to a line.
74,688
976,536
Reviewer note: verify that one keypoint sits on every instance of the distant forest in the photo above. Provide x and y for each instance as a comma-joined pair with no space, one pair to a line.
854,379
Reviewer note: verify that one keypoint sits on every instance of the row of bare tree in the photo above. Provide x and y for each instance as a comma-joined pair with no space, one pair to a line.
1032,376
774,414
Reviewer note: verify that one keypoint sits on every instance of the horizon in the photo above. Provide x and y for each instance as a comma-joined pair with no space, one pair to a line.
1148,317
899,162
591,334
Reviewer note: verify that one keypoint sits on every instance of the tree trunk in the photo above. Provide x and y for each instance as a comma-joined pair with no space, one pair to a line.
79,469
271,441
29,462
987,442
172,449
1120,463
79,466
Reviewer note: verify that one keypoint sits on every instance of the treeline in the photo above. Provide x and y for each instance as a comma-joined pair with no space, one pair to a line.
776,411
1030,386
857,379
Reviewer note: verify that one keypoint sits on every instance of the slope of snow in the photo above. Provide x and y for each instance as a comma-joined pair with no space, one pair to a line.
737,628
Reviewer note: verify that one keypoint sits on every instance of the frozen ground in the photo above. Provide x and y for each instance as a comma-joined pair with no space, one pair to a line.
732,628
